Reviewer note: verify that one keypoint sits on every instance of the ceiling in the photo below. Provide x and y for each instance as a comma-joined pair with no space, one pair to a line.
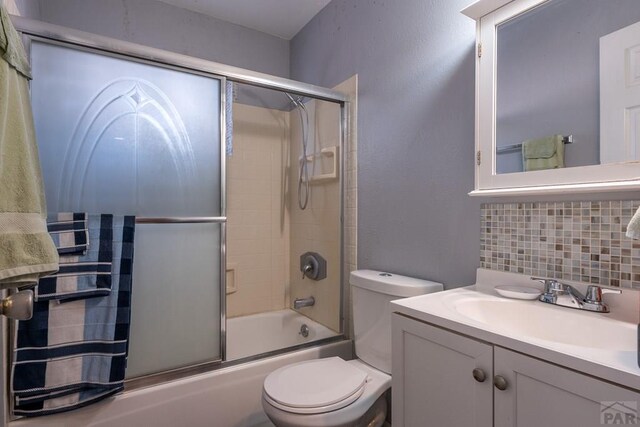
282,18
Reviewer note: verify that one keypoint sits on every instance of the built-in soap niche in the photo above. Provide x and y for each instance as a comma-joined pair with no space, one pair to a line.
582,241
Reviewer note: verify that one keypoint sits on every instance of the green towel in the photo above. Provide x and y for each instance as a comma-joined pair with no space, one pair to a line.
26,249
11,47
543,153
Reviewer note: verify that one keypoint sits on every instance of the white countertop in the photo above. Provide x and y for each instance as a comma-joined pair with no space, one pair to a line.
615,365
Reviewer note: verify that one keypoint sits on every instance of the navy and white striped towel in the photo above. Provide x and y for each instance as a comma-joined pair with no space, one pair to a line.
80,276
74,353
69,232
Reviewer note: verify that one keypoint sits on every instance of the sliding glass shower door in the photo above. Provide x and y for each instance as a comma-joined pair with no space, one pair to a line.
121,136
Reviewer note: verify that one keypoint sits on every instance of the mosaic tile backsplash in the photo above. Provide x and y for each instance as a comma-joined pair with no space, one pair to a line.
582,241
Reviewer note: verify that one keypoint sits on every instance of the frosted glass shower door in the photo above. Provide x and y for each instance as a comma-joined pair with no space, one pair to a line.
125,137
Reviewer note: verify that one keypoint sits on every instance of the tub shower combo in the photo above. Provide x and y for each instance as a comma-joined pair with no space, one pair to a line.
236,181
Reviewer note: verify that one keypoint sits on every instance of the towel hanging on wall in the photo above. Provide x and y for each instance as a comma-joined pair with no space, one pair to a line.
26,249
543,153
71,354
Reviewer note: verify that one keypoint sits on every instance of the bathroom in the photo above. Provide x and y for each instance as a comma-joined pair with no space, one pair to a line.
390,96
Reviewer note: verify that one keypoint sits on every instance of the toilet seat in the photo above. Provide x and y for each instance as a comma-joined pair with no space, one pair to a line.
315,386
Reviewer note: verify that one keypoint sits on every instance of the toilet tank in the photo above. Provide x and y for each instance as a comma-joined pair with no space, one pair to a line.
371,294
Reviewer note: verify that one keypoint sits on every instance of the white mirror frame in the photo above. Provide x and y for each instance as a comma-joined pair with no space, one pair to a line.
609,177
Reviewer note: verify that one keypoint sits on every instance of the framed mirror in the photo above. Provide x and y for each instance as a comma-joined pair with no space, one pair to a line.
558,96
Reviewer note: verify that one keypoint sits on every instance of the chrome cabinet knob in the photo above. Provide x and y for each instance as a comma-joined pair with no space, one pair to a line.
479,375
500,382
18,306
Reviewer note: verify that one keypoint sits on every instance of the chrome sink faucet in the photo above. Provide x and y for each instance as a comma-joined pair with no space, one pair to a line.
567,296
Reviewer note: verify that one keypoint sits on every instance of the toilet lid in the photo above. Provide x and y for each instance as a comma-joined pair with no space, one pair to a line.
315,386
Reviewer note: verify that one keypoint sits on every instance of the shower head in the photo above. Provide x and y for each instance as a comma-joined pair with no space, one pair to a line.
296,101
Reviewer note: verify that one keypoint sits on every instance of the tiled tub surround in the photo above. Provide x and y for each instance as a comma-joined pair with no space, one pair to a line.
581,241
258,220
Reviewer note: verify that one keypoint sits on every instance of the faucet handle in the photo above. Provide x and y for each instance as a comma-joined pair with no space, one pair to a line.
594,293
549,284
307,268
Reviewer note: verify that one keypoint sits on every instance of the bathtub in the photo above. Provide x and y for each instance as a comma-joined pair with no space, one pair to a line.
264,332
227,397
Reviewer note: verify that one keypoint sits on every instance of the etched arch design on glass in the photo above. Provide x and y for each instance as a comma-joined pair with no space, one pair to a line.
130,132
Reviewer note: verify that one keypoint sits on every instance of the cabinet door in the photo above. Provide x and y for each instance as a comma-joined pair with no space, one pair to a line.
433,382
542,394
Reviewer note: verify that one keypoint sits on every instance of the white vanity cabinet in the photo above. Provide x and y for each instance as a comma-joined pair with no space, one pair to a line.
434,385
432,374
543,394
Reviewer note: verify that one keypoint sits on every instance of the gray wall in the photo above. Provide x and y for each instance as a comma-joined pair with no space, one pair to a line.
548,75
415,62
28,8
157,24
160,25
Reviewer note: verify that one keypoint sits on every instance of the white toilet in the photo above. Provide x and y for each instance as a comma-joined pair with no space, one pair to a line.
332,392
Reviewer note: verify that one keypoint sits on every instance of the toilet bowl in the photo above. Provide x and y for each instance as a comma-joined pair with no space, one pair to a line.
332,392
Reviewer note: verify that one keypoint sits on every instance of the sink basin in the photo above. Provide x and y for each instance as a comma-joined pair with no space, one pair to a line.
549,323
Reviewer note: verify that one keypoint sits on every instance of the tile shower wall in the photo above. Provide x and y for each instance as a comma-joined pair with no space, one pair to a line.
582,241
258,221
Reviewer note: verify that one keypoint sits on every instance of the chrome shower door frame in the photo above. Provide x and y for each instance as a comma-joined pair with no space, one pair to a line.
54,34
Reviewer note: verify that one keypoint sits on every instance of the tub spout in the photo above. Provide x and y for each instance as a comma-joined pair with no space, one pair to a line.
298,303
